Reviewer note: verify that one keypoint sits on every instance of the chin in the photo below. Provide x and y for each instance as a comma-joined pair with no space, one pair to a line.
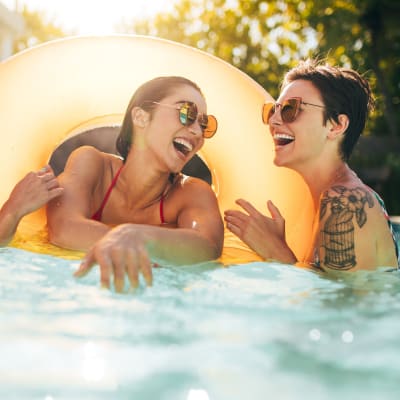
278,162
176,169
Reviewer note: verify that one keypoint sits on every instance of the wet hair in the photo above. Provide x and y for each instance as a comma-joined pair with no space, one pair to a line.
152,91
343,91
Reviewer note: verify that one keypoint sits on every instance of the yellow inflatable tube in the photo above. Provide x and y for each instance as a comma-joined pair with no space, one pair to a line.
62,87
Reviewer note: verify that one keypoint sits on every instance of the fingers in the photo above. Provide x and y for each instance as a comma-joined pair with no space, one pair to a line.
247,206
131,270
50,182
118,266
45,169
235,229
145,267
85,265
53,193
237,221
117,262
88,262
235,217
138,261
106,268
275,213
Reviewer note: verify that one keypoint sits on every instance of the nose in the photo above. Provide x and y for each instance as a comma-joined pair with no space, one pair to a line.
276,118
195,128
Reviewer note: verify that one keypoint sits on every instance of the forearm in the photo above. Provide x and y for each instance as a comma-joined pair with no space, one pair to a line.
77,234
8,225
176,245
9,220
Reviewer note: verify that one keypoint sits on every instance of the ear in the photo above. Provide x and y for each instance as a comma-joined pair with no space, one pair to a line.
140,117
338,129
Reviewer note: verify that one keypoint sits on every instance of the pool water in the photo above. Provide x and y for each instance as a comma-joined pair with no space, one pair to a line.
253,331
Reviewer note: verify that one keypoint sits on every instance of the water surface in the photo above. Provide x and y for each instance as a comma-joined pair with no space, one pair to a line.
253,331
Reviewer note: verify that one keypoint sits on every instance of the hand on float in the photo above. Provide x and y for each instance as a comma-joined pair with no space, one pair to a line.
265,235
34,191
119,252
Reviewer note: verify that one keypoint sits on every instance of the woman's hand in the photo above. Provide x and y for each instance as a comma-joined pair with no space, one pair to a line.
266,236
34,191
30,193
121,251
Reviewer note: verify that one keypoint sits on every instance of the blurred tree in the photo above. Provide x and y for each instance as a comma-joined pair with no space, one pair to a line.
365,34
260,38
37,30
265,38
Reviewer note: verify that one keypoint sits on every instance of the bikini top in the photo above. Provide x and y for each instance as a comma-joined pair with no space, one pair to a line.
98,214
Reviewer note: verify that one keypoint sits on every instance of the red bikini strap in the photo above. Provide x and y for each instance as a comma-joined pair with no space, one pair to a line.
113,183
162,209
98,214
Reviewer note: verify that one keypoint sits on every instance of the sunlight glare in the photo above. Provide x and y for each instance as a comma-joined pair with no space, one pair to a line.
93,17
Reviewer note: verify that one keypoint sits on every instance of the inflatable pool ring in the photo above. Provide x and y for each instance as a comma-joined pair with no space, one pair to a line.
63,88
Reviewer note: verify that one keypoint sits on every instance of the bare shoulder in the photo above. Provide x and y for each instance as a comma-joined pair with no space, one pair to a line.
87,160
352,227
84,156
193,187
191,195
353,199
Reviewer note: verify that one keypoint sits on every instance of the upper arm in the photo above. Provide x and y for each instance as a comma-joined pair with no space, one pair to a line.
199,210
346,237
79,180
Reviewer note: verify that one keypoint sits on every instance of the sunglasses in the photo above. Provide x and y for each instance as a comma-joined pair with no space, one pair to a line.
188,115
289,109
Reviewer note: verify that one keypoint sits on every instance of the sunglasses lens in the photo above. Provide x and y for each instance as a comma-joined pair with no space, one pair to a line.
268,111
203,121
210,127
183,114
187,114
289,110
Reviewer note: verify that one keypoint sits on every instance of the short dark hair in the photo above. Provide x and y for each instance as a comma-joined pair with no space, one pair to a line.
343,91
152,91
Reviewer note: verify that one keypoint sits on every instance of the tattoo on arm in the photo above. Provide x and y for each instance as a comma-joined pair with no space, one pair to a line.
347,206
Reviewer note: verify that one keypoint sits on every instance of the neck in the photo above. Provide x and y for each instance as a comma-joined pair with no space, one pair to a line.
142,186
320,179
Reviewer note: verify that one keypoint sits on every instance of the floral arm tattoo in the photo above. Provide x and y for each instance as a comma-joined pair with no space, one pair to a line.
347,206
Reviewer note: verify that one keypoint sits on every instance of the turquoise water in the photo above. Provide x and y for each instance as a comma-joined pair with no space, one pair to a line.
255,331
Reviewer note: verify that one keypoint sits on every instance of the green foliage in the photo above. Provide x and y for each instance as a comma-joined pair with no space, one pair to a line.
258,37
266,38
365,35
37,30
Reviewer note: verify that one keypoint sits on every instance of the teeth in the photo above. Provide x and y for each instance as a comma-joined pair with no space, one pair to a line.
283,136
188,146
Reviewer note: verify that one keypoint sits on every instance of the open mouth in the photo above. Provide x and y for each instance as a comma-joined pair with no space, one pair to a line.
183,146
281,139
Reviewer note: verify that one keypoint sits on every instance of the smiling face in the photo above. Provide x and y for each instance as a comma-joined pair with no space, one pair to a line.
304,139
173,143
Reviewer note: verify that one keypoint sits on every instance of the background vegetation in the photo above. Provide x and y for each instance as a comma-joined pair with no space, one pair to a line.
266,38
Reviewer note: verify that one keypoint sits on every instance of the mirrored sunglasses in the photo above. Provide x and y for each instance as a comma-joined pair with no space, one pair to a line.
188,115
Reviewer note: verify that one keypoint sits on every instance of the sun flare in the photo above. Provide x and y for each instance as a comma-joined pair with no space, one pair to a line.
92,17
